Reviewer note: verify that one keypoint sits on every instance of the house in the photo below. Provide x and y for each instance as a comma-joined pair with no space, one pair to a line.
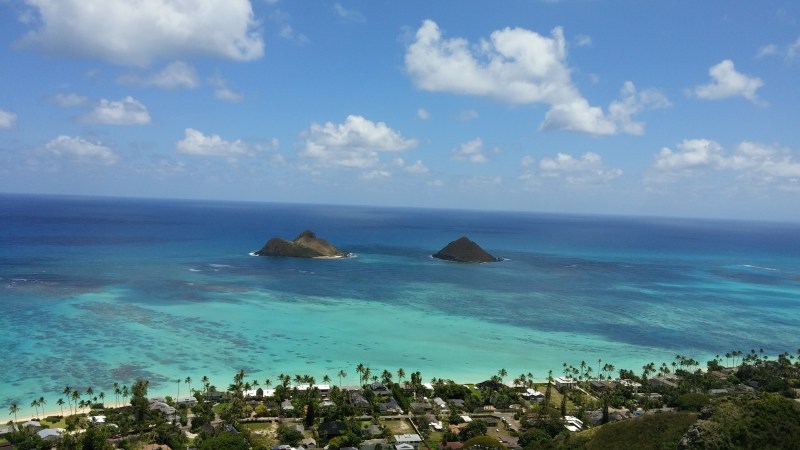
566,382
159,405
33,424
404,447
600,386
186,401
466,419
379,389
97,419
372,444
332,428
420,406
533,395
373,430
286,405
390,406
439,403
457,402
572,423
358,400
308,443
50,434
661,381
436,425
411,439
451,445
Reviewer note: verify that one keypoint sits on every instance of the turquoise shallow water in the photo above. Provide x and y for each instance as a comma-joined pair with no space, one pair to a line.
97,291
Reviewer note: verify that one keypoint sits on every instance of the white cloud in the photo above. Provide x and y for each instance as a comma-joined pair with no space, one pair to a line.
726,82
223,92
417,168
588,169
69,100
138,32
633,102
516,66
691,154
423,114
356,143
376,175
471,151
788,52
81,150
755,161
289,33
348,15
198,144
8,120
127,111
175,75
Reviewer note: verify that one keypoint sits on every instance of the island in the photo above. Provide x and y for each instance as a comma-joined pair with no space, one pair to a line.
306,245
465,250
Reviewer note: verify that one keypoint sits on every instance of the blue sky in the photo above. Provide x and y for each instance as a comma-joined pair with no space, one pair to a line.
580,106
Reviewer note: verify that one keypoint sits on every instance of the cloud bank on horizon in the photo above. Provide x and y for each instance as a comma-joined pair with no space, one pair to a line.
539,106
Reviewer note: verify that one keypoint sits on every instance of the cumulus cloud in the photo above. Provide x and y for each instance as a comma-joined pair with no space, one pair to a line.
726,82
138,32
471,151
423,114
375,175
514,65
69,100
198,144
588,169
356,143
418,168
81,150
748,160
8,120
127,111
177,74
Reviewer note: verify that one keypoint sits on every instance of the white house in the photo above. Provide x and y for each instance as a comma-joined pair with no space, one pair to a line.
411,439
566,382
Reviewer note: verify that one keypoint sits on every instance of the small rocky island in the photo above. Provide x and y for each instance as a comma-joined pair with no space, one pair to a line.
306,245
465,250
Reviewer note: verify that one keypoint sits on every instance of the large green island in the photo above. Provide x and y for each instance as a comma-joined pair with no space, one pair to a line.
306,245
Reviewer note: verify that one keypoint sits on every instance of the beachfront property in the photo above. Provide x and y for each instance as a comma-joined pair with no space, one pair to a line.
566,382
533,395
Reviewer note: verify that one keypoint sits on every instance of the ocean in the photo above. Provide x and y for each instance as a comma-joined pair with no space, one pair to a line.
97,291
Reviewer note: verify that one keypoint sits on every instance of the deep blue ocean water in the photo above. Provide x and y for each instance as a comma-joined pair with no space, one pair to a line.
98,290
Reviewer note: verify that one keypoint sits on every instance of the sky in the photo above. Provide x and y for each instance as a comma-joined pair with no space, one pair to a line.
686,108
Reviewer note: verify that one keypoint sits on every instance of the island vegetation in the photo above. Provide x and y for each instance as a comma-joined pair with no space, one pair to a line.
306,245
750,402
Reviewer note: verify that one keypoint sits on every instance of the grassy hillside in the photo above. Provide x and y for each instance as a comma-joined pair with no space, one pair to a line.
658,431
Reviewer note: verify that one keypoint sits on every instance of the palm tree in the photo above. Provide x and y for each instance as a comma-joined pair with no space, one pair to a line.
117,391
125,393
13,409
360,371
341,374
178,381
42,402
75,397
188,381
35,404
501,373
60,402
326,379
386,377
102,397
400,375
206,384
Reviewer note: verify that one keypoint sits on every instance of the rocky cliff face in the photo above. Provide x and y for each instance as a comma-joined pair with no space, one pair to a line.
306,245
464,250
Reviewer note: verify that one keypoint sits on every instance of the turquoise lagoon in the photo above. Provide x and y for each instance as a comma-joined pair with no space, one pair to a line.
99,290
